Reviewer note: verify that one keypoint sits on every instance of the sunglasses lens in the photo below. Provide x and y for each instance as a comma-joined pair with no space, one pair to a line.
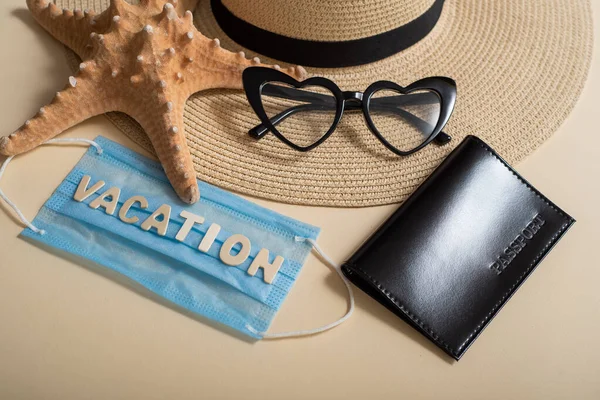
301,115
405,120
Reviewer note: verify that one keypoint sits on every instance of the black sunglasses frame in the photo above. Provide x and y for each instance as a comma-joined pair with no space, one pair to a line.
255,79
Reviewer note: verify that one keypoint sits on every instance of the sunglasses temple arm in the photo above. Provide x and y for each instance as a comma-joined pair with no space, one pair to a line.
324,102
415,99
315,98
423,126
298,94
261,130
392,102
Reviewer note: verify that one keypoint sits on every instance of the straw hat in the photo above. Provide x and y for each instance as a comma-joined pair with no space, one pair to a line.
519,66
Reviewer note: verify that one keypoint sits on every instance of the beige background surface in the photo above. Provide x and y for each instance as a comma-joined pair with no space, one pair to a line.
71,332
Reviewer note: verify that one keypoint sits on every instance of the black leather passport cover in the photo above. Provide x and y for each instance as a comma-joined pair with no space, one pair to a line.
454,253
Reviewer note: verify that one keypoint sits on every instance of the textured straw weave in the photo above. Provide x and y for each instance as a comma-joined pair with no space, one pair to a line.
519,67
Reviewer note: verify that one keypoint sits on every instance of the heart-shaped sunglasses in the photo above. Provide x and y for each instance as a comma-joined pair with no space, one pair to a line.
304,114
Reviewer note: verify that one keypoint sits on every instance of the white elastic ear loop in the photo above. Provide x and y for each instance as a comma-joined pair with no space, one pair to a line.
9,159
324,328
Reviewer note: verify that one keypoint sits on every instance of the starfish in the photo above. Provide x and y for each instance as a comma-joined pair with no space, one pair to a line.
144,60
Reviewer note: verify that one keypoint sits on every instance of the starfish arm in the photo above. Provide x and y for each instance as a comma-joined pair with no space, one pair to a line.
79,101
220,68
163,123
180,6
144,59
72,28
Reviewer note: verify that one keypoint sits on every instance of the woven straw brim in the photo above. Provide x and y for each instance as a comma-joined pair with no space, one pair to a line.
519,66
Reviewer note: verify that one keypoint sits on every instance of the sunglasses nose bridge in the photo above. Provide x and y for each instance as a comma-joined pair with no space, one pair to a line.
354,97
352,100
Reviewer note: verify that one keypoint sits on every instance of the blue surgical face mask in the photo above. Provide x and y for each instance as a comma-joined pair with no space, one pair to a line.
224,257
